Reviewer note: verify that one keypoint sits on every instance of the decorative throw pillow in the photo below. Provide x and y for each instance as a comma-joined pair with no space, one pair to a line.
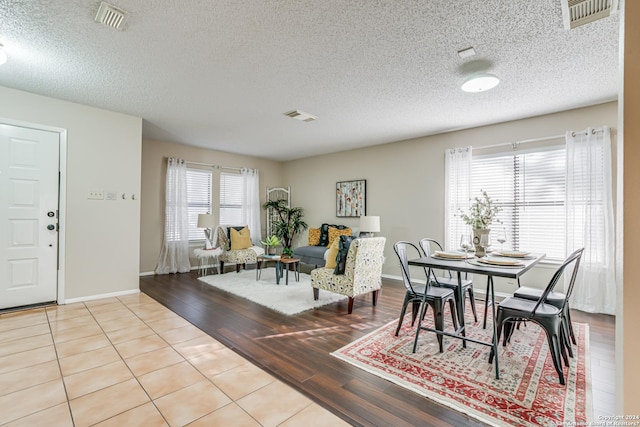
238,228
343,250
314,236
240,239
334,233
332,255
324,233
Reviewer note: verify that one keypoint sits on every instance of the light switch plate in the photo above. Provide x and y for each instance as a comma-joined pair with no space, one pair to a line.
111,195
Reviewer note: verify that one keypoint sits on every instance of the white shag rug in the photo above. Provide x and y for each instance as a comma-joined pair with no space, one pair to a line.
287,299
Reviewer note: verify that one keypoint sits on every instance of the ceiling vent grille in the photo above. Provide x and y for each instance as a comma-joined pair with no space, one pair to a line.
301,115
580,12
111,16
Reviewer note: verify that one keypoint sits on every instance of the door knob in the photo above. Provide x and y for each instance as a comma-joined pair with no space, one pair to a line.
51,227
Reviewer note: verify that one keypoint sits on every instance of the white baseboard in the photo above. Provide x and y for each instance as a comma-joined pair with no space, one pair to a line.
94,297
153,273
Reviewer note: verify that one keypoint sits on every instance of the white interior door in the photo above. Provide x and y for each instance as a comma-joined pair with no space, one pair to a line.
29,165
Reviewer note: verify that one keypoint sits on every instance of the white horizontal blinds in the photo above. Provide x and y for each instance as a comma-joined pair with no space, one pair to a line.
231,198
496,175
198,199
530,188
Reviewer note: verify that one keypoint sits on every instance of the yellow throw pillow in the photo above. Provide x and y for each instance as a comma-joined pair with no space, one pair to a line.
333,254
334,234
314,236
240,239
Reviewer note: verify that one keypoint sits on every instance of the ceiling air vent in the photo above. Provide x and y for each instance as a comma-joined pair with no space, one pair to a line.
301,115
111,16
580,12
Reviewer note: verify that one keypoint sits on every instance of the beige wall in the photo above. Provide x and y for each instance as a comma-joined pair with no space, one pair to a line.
405,180
103,153
154,165
629,347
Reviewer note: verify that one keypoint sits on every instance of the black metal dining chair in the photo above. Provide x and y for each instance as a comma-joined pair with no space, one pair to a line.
448,281
557,299
548,316
422,296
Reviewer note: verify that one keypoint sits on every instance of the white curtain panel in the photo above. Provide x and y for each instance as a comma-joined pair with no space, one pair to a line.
457,190
251,203
590,219
174,256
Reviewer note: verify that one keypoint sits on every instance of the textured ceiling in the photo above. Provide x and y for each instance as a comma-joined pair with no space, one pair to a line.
220,74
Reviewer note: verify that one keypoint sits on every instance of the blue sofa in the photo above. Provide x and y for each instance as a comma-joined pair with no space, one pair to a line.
313,255
316,255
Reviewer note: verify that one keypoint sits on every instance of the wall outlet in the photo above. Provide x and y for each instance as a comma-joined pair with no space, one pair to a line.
96,195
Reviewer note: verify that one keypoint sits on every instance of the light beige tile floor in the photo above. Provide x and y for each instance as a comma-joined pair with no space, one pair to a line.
129,361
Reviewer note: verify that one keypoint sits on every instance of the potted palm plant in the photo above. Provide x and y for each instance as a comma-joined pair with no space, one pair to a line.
287,223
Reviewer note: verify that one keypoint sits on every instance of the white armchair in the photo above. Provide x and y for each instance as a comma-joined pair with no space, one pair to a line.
362,274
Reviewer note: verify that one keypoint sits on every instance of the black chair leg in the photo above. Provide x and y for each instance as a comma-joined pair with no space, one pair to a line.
486,304
568,321
454,317
414,312
423,311
402,312
473,303
508,330
499,324
554,347
566,337
438,319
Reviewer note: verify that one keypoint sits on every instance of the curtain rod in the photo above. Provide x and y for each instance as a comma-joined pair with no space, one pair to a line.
515,144
213,166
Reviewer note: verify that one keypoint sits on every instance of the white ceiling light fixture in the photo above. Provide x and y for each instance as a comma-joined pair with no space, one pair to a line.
3,55
480,82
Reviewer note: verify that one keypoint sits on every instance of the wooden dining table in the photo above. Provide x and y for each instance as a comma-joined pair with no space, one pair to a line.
475,267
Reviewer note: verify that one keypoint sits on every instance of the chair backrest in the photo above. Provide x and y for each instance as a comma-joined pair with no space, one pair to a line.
365,259
426,245
223,239
404,250
573,258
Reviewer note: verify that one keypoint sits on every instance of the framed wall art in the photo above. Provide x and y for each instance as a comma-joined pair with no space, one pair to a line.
351,198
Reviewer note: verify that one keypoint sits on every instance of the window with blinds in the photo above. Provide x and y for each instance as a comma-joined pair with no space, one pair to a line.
230,198
198,199
530,188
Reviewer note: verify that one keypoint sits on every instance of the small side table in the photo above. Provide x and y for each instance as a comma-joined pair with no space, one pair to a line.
205,258
286,263
265,258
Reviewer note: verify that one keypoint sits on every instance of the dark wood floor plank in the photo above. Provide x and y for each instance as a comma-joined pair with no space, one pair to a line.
296,349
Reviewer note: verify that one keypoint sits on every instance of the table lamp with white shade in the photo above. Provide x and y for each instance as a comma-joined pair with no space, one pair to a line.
369,225
208,222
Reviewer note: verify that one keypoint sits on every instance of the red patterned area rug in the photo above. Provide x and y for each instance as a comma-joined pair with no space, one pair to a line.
528,392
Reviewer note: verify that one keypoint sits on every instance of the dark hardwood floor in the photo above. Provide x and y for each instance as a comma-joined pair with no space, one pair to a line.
295,349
